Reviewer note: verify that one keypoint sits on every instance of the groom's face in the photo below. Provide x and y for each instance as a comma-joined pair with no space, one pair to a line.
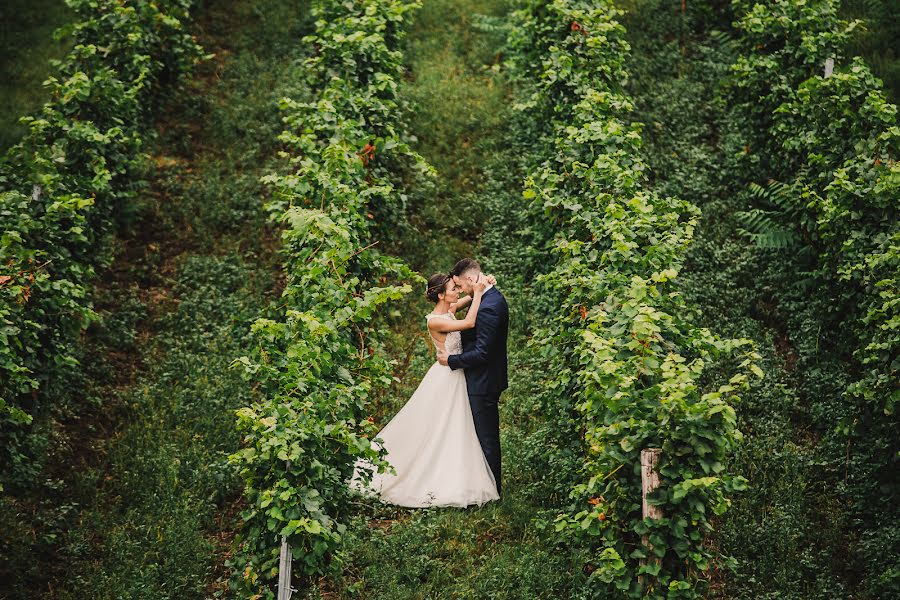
466,282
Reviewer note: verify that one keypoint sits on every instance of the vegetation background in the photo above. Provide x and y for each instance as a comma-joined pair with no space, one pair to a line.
121,485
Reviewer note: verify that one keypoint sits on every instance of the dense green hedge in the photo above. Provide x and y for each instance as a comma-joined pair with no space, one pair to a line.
61,187
319,362
823,153
833,140
621,341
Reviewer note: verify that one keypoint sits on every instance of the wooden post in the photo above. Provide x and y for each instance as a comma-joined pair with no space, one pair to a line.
284,565
649,482
829,67
36,192
284,571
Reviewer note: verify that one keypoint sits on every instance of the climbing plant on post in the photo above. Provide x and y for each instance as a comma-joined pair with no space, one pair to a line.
60,190
622,342
319,361
819,123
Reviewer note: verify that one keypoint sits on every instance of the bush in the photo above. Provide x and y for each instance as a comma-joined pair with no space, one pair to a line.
621,344
319,364
61,188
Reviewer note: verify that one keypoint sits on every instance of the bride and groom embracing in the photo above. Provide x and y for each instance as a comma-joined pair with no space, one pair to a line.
444,444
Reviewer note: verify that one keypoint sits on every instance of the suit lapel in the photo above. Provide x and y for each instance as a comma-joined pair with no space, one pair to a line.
469,335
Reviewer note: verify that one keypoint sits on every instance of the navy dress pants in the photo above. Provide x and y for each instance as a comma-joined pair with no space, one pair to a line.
485,414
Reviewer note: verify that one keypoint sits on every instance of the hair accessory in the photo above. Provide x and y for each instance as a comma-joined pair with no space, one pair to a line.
440,285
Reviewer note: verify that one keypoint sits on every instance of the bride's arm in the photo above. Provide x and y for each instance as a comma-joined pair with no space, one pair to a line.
460,304
446,325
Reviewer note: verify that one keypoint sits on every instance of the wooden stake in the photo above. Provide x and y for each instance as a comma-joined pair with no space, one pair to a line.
284,571
829,67
284,565
649,482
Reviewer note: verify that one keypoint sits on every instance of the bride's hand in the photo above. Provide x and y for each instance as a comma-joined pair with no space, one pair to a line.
491,279
480,285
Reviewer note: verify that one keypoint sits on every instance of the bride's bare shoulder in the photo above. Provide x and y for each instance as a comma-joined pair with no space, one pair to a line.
433,320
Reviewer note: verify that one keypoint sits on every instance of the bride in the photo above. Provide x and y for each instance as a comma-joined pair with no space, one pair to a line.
431,442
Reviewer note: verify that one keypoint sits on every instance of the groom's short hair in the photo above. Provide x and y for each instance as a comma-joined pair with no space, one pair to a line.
464,266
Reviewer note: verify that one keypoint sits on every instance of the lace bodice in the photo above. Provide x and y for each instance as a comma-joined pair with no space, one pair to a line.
453,342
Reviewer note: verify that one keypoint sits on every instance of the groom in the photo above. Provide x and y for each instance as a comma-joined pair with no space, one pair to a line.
484,360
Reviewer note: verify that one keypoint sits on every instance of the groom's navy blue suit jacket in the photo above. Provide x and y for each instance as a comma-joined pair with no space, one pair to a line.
484,347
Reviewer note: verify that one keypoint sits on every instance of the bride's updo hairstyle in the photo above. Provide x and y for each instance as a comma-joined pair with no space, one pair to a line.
437,284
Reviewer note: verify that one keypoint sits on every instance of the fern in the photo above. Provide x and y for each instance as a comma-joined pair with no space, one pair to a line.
771,227
723,39
764,231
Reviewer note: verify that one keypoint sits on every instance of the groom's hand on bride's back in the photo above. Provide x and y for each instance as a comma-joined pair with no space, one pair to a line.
442,357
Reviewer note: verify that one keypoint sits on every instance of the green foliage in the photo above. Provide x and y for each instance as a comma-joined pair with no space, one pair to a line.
144,502
319,363
457,108
876,40
834,141
145,514
464,126
63,184
622,343
26,49
772,227
491,551
803,529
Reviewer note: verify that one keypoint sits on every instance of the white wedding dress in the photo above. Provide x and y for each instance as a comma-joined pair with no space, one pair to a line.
432,444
